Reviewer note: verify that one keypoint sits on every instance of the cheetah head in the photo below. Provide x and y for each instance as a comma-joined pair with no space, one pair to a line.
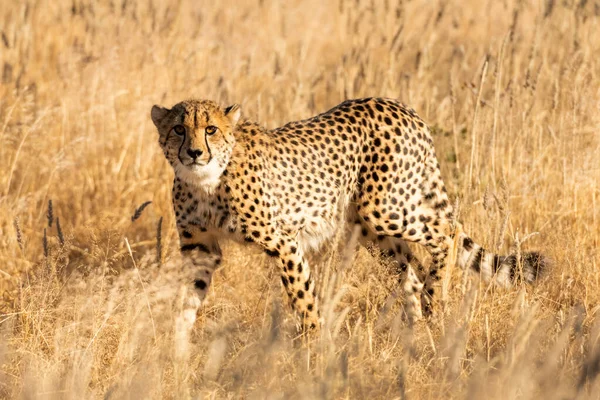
197,139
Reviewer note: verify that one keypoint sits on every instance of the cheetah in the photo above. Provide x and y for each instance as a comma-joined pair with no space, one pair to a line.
368,161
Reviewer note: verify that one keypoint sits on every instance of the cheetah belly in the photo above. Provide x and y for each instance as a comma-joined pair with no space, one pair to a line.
319,229
316,232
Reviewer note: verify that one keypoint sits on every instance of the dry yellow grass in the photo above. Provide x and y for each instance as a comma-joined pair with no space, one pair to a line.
511,89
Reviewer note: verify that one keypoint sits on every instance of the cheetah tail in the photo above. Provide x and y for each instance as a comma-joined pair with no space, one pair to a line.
503,270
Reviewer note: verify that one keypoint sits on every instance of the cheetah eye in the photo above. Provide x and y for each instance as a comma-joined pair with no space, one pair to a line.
179,129
210,130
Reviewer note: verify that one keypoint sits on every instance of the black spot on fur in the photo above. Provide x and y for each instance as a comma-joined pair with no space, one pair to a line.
272,253
496,263
200,284
468,244
476,264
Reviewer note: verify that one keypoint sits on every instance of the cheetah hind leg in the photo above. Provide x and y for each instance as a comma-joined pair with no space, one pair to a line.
439,249
409,267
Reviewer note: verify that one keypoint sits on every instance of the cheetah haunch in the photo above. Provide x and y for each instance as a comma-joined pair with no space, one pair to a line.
370,162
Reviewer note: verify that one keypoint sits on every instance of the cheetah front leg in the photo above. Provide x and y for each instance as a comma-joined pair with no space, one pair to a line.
298,282
201,256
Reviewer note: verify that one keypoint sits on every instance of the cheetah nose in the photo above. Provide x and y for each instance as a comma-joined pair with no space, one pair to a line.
194,153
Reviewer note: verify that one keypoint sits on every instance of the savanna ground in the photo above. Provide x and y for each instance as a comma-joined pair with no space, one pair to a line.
91,298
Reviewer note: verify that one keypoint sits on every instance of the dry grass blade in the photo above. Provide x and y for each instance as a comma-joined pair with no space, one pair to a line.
159,241
45,244
59,232
19,234
474,131
138,211
137,272
50,214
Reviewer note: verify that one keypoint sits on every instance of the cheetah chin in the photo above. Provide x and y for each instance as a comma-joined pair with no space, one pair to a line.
206,177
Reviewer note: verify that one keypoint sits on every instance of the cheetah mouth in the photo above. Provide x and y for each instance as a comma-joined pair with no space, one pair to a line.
195,164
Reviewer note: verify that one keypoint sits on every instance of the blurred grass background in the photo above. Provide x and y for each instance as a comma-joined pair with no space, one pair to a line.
511,90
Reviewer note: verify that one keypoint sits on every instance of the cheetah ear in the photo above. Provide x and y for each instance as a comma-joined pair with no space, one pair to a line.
233,112
158,113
